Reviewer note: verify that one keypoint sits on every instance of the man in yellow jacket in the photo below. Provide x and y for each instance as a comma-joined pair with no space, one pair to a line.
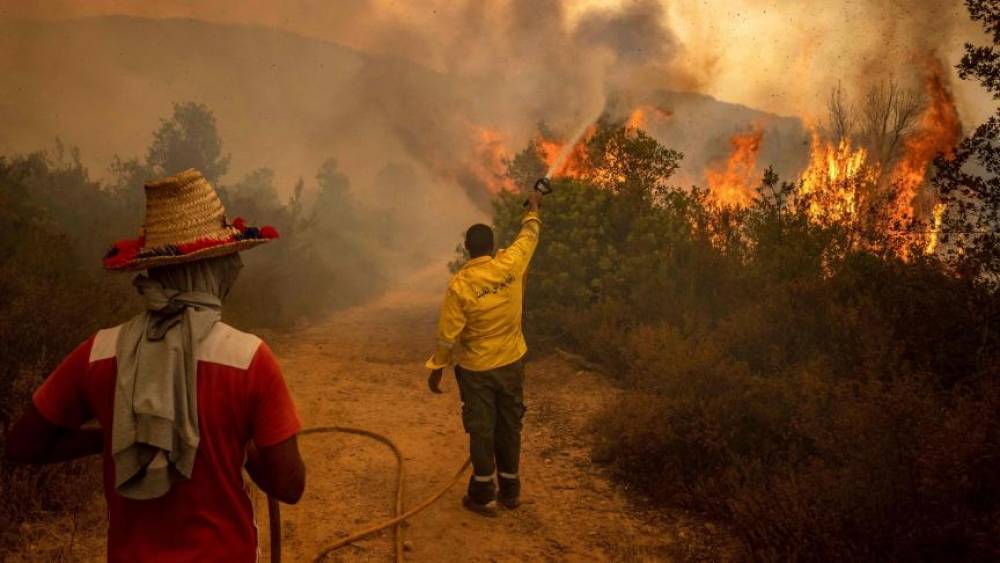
479,332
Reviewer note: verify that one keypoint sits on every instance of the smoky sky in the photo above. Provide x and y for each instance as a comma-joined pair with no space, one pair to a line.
377,83
634,33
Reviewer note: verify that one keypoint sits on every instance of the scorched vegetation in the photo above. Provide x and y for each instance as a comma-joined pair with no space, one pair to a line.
814,363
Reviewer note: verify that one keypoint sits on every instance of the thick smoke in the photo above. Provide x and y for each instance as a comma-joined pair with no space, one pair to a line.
635,34
421,79
785,57
512,66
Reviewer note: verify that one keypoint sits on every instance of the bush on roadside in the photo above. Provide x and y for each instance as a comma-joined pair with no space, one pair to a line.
51,301
828,401
56,223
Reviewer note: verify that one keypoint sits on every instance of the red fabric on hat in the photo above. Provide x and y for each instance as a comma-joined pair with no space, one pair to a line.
201,244
126,251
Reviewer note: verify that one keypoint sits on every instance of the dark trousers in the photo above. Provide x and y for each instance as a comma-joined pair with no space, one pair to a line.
492,410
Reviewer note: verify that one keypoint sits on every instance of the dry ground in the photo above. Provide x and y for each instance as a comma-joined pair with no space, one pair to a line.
364,368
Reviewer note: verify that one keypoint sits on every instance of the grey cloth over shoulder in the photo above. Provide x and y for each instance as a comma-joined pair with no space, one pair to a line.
155,433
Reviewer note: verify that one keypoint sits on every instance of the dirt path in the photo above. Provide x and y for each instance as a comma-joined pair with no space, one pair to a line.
364,368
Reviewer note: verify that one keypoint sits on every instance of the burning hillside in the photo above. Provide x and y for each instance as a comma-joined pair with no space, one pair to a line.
561,157
735,181
852,178
843,181
491,155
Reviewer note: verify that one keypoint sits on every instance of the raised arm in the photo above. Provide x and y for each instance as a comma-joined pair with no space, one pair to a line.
519,253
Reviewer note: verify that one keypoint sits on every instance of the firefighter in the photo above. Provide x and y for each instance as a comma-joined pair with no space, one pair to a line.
479,332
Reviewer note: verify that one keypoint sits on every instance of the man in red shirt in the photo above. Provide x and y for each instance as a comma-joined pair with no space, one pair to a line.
183,401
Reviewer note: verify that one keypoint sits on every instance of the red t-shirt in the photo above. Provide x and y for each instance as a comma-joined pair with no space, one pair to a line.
242,396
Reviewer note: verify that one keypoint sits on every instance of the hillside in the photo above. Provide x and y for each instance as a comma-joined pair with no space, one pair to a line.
286,102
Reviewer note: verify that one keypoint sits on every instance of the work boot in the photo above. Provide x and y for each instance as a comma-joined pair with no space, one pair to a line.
481,497
510,492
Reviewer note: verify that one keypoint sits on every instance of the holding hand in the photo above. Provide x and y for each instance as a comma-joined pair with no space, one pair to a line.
434,381
534,201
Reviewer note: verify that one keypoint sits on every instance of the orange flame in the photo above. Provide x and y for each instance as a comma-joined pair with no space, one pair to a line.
642,115
577,162
489,162
733,182
932,236
636,120
831,181
490,155
938,133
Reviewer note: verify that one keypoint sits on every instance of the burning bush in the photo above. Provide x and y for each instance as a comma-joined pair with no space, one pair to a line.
828,399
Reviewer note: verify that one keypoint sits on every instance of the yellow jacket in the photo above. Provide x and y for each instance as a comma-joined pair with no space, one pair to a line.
480,323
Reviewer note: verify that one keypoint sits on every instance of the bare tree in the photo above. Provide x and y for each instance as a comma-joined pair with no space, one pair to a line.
880,122
888,114
841,114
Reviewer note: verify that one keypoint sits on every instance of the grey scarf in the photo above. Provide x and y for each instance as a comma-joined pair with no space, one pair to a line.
154,433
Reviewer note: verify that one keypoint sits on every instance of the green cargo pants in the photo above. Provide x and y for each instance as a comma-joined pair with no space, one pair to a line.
492,410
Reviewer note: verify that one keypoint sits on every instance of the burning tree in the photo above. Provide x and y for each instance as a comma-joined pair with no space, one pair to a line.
613,154
870,176
779,345
867,166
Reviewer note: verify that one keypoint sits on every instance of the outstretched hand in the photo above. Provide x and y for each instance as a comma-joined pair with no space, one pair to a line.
534,201
434,381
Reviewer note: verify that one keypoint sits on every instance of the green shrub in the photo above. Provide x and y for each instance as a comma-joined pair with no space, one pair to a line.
51,301
828,401
55,224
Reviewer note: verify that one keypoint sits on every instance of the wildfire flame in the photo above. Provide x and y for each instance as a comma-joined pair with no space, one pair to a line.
841,179
490,155
575,160
839,173
636,120
489,162
641,117
939,132
836,184
932,236
733,182
831,181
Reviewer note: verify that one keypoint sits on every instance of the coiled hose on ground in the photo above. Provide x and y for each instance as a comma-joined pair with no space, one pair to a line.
274,508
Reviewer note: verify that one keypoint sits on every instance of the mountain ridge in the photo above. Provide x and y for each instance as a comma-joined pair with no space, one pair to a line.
282,100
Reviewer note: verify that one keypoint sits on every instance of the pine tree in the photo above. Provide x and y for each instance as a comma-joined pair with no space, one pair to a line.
970,181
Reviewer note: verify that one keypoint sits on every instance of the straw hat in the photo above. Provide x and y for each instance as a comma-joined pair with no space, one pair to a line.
185,221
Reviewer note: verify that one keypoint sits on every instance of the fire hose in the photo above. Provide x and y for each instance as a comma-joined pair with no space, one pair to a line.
274,509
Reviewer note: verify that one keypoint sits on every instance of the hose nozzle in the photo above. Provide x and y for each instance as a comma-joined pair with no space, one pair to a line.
543,186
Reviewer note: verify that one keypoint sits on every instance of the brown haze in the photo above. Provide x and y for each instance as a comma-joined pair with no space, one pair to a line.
376,83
